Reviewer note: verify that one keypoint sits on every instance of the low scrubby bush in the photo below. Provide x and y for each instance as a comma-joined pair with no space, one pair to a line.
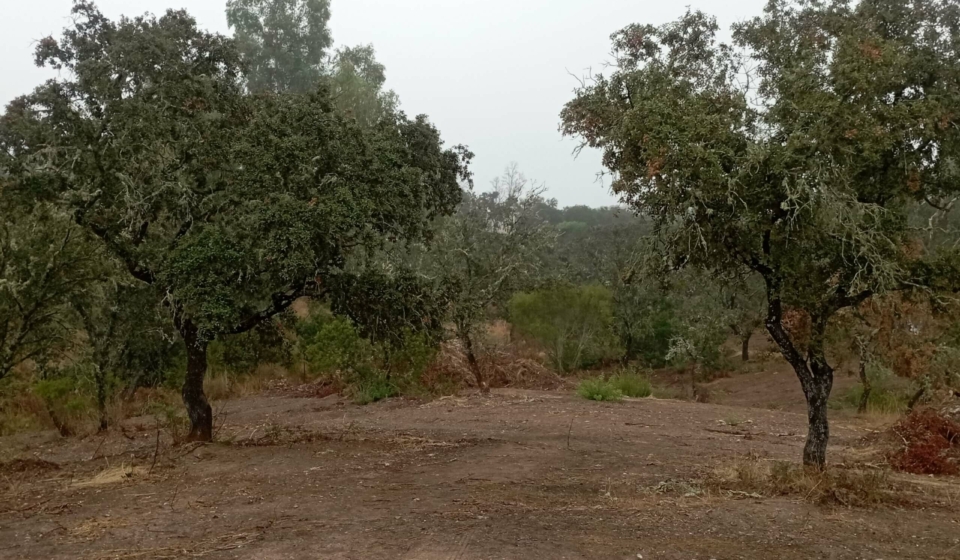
597,389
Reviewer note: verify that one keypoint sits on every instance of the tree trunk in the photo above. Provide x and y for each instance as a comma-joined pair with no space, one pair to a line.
865,381
198,409
474,364
815,374
101,380
693,384
817,391
745,346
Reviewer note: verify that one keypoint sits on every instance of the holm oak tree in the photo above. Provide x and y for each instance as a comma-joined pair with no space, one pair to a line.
232,205
797,153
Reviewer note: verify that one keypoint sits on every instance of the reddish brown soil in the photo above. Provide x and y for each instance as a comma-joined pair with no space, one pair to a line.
517,475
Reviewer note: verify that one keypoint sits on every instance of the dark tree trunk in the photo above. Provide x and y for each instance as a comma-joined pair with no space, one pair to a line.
198,409
474,364
867,388
745,346
813,371
817,391
101,380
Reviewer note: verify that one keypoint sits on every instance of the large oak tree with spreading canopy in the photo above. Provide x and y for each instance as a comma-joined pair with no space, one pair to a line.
797,152
231,204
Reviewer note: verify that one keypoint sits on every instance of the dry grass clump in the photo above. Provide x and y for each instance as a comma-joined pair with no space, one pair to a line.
851,487
112,475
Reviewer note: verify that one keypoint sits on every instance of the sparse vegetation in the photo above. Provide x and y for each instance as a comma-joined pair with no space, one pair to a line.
850,487
245,238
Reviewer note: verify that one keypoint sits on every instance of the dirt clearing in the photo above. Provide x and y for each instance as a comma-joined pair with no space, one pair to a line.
518,475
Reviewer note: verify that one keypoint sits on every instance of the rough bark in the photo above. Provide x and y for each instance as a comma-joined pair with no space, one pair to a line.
474,363
813,371
198,409
817,391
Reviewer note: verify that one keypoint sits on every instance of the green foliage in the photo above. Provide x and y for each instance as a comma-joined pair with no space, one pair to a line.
333,345
264,344
371,386
356,81
806,173
329,343
645,320
45,263
574,324
230,205
598,389
283,42
488,250
631,384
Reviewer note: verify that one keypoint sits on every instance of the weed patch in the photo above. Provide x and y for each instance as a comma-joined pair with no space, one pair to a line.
597,389
631,384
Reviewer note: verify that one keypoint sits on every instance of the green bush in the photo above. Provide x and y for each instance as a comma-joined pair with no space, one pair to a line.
574,324
328,344
597,389
632,384
372,386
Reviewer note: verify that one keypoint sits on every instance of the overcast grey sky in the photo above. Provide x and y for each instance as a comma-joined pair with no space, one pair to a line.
492,74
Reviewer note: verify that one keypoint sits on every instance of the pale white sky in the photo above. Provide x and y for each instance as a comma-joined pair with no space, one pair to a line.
492,74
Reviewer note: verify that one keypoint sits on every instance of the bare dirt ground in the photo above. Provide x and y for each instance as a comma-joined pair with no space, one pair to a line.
516,475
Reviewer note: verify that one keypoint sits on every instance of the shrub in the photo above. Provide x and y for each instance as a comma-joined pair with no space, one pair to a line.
597,389
372,386
574,324
327,343
631,384
927,443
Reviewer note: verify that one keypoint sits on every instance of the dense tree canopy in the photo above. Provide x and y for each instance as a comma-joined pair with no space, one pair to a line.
232,204
797,152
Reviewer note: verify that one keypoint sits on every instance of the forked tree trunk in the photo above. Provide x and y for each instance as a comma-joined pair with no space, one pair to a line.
198,409
474,364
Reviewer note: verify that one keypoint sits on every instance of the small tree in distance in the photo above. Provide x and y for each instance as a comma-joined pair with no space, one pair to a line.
796,153
487,251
